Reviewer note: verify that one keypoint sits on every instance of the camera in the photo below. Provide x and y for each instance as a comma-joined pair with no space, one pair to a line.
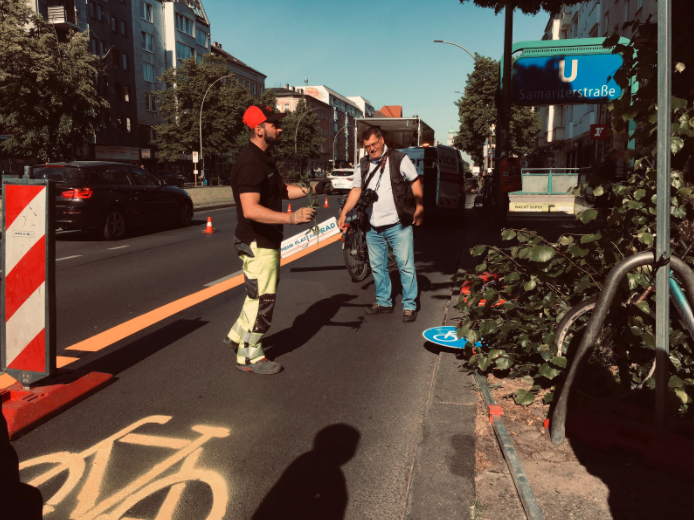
367,199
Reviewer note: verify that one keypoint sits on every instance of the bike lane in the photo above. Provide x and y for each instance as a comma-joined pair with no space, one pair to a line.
336,432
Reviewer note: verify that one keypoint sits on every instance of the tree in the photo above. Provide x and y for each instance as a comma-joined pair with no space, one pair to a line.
47,92
294,154
526,6
477,111
222,115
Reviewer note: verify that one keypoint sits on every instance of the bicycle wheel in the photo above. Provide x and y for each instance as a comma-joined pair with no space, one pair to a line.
355,254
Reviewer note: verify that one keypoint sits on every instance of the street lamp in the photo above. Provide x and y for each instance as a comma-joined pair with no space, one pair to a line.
451,43
201,105
296,133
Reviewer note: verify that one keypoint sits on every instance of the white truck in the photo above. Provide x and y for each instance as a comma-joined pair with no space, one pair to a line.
440,167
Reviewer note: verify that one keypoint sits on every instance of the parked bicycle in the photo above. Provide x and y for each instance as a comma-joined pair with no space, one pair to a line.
354,249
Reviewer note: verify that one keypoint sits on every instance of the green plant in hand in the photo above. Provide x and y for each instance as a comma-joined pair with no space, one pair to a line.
305,185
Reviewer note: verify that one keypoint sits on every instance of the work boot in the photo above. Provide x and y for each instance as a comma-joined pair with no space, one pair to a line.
263,367
408,316
379,309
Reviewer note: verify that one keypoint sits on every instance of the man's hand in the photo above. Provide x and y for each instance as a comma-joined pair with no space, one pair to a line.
302,216
418,216
341,222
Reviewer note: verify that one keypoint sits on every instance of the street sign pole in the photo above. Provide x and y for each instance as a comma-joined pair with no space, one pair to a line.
504,116
195,168
662,245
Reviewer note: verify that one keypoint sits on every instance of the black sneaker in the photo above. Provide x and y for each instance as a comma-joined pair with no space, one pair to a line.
408,316
263,367
379,309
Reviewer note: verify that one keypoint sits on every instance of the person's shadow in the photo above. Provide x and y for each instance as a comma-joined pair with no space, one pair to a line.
17,500
306,325
313,486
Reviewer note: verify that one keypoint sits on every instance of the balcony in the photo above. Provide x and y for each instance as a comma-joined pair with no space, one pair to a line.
62,17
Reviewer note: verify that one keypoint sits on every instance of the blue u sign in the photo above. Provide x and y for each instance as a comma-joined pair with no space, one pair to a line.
564,80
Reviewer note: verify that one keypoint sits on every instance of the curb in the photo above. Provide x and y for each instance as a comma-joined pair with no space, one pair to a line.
208,207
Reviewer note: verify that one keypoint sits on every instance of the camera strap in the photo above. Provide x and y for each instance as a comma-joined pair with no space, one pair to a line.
382,165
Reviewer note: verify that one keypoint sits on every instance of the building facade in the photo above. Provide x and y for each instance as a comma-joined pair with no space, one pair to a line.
247,76
564,141
287,100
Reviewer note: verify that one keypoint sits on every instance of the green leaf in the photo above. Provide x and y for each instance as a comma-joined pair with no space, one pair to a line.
481,267
644,307
524,398
678,103
639,194
547,371
495,353
675,382
559,361
529,285
548,398
483,363
565,240
598,191
508,234
588,215
645,238
478,250
682,395
577,251
511,277
503,363
545,352
541,253
586,239
676,144
488,327
679,66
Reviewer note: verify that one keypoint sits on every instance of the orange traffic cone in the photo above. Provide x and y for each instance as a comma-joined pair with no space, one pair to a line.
289,208
209,229
326,203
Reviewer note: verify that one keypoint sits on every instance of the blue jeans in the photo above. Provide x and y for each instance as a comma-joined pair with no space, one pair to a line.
399,237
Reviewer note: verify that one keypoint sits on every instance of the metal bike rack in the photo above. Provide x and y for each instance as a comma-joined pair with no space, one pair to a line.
595,325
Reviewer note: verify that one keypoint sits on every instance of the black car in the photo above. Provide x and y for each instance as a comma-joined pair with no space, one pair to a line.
111,198
172,178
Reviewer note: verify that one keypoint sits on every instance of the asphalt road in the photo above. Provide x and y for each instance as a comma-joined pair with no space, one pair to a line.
332,436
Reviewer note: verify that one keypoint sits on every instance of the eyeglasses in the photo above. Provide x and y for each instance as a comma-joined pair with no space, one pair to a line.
368,147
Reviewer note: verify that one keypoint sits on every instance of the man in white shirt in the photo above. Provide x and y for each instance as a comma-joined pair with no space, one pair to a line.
393,178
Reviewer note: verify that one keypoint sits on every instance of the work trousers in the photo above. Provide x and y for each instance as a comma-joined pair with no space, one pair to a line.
261,271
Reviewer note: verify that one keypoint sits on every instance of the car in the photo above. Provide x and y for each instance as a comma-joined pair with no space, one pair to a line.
171,178
111,198
341,179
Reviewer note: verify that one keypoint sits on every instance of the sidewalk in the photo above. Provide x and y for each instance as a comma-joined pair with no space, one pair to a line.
572,481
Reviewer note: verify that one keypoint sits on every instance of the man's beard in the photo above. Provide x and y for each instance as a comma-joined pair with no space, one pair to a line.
272,140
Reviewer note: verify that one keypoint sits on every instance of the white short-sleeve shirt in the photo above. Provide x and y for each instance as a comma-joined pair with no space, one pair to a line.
383,211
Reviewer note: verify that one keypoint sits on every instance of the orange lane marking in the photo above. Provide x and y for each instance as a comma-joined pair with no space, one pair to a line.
61,361
6,380
119,332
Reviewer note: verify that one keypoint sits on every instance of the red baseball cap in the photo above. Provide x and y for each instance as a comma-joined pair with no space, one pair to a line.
258,114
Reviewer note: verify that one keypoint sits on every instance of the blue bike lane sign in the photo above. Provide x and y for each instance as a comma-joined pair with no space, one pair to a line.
446,337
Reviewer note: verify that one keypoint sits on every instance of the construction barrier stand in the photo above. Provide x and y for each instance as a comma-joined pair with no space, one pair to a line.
27,350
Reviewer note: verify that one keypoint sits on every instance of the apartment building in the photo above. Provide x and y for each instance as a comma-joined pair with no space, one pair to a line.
364,105
344,111
287,100
564,141
164,33
247,76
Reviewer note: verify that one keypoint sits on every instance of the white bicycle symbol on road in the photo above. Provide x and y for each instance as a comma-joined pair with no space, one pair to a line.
449,336
116,506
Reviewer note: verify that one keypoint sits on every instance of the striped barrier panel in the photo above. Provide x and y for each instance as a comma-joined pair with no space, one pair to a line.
28,285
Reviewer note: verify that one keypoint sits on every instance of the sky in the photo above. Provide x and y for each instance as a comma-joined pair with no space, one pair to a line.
380,50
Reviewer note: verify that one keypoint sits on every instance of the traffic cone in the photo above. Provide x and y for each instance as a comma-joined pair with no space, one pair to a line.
289,208
326,203
209,229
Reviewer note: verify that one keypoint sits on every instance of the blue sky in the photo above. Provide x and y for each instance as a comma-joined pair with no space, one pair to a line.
381,50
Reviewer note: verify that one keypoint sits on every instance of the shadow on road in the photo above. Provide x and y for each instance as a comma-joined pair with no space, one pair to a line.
320,314
18,501
313,487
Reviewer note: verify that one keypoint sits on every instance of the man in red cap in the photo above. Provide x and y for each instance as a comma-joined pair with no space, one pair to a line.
258,191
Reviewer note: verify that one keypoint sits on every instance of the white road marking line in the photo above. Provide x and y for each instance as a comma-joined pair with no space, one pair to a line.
117,247
228,277
68,258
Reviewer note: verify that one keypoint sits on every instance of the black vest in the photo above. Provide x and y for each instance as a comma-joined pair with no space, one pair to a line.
402,191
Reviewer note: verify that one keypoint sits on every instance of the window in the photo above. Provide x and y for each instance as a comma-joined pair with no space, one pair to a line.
122,28
146,12
254,89
128,126
101,49
201,37
152,135
184,24
286,107
261,90
91,9
126,94
95,46
125,61
115,176
183,52
98,13
148,72
114,24
142,178
150,102
116,59
147,42
119,124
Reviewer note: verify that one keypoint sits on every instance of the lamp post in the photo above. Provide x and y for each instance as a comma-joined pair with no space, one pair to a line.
451,43
201,105
296,133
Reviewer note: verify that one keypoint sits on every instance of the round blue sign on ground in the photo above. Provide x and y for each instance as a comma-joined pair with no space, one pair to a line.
446,337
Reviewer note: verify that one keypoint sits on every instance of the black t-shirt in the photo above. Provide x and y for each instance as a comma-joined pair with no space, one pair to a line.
255,172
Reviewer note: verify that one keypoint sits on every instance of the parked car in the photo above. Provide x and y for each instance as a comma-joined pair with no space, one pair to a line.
341,179
111,198
171,178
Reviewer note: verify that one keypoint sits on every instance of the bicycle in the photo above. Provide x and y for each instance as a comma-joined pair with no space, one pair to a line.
354,249
116,506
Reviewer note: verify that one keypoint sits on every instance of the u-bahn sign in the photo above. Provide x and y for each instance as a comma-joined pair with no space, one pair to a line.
565,72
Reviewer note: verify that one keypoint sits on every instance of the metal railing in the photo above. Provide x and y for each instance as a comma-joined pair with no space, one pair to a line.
549,181
59,14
